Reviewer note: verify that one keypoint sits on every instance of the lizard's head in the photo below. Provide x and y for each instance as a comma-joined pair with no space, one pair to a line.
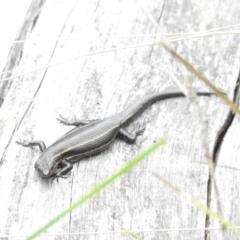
46,165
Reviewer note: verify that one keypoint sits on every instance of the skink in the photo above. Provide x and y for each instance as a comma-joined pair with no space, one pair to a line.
91,137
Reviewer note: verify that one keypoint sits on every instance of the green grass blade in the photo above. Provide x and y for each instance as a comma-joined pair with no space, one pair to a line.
200,206
101,186
132,234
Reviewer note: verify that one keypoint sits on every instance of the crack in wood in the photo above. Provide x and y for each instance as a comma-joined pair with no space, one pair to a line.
71,201
7,146
216,149
15,53
45,72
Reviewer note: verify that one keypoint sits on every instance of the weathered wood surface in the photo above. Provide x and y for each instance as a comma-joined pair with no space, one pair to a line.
100,86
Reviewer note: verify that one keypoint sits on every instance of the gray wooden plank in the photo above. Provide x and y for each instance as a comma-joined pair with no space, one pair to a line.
100,86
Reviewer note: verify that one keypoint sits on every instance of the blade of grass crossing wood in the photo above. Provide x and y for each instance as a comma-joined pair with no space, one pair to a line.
132,234
199,205
222,96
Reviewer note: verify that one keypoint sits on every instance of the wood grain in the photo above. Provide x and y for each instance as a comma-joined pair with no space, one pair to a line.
102,85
